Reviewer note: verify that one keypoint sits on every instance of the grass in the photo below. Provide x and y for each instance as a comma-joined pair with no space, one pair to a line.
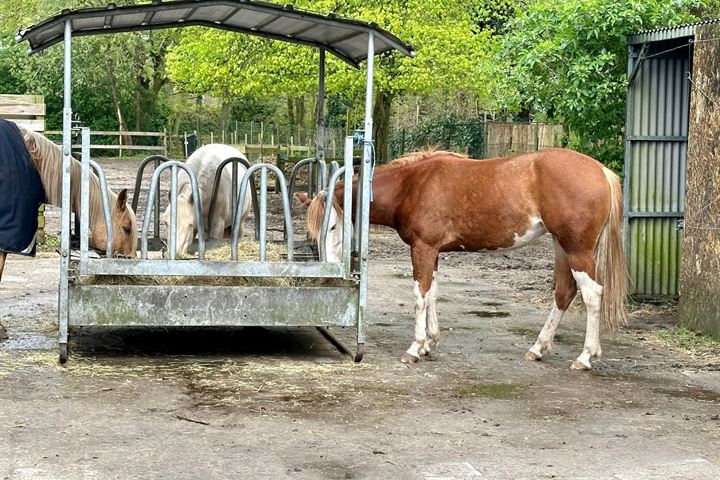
687,341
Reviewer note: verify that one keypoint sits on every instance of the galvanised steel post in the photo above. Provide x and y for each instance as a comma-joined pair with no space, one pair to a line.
65,213
366,169
320,179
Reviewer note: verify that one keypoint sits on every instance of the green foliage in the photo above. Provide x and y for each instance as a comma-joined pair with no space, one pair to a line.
448,133
690,342
451,54
566,61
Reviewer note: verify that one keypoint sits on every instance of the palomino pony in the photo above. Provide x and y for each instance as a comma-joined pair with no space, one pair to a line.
47,159
204,163
441,201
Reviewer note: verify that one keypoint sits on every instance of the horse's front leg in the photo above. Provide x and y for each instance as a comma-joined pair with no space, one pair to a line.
423,260
565,291
3,256
433,327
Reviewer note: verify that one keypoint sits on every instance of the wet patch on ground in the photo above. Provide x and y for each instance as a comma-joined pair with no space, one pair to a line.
488,313
495,391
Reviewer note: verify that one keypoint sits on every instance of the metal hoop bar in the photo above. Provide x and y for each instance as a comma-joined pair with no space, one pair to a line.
236,198
293,174
106,206
334,165
326,214
154,186
263,211
84,195
141,173
347,206
158,159
172,236
263,214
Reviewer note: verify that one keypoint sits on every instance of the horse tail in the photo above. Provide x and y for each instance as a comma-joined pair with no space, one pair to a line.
610,259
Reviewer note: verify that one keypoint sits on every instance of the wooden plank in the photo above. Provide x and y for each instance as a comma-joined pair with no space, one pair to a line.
126,147
21,109
131,134
21,99
107,133
34,125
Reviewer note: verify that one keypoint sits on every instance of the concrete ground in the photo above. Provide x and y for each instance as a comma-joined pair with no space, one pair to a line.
260,403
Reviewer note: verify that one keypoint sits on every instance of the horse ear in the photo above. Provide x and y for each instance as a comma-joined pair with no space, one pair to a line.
122,199
303,197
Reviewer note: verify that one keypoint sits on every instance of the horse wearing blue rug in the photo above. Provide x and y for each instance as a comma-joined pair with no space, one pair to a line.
32,174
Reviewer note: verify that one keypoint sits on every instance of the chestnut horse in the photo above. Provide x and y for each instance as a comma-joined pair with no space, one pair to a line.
47,158
442,202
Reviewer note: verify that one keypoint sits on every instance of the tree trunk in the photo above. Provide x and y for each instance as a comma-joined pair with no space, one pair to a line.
300,111
381,126
126,139
291,111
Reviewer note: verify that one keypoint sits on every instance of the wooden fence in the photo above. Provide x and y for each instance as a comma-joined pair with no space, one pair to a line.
26,110
120,146
502,139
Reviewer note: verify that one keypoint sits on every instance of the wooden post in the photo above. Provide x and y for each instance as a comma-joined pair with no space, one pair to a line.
165,142
700,269
211,138
120,143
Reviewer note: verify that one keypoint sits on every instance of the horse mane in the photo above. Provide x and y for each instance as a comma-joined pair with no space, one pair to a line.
316,211
48,159
419,156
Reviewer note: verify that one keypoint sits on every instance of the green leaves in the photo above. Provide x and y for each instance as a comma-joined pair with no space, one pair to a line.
565,62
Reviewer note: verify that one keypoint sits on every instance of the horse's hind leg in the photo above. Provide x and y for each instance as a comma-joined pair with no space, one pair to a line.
565,291
3,256
423,260
583,270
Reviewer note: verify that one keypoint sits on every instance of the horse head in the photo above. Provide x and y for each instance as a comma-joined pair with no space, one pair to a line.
315,213
186,222
48,159
124,228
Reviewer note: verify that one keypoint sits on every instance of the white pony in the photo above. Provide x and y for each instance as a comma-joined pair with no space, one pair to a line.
204,163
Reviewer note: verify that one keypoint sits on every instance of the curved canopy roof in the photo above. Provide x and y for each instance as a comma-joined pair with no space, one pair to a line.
344,38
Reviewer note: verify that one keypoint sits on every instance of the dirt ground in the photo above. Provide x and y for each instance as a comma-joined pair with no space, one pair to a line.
282,403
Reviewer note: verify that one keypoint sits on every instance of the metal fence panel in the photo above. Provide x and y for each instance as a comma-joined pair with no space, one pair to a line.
656,147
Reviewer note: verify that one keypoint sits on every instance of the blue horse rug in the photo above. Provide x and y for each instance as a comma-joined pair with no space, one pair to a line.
21,193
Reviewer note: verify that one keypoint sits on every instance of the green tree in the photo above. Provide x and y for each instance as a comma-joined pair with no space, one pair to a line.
452,53
566,62
118,80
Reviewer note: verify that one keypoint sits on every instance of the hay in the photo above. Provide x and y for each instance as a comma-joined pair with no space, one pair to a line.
249,251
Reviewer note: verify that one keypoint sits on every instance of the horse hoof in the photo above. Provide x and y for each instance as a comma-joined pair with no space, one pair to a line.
578,365
532,356
408,359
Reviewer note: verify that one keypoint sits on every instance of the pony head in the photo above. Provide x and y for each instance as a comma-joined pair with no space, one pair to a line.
124,227
315,213
48,159
186,222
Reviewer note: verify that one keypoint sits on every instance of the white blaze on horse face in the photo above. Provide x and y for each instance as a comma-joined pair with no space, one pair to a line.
591,293
334,239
